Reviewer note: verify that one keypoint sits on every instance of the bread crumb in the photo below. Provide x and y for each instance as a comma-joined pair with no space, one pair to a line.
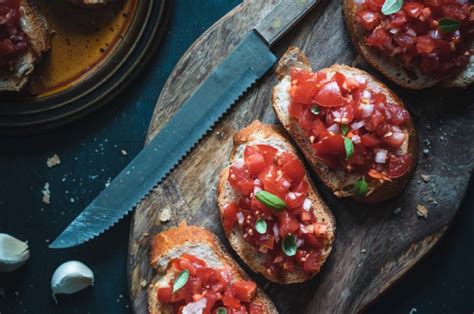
124,152
397,211
363,251
413,310
53,161
425,177
422,211
46,193
165,215
143,283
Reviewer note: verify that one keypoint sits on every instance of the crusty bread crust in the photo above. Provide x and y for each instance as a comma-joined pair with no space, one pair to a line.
36,28
391,67
258,133
341,183
201,243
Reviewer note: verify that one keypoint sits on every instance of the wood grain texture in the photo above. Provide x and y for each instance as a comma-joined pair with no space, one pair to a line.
373,247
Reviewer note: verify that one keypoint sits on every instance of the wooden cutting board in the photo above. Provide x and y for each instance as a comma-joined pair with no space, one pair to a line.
374,247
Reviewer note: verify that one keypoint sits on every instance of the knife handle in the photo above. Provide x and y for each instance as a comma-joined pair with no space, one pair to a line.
283,18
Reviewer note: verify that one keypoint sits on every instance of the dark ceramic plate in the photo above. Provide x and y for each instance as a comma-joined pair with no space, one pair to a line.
95,53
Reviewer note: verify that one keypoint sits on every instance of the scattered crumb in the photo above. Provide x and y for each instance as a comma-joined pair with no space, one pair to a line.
124,152
363,251
413,310
397,211
431,200
46,193
426,151
425,177
72,200
165,215
422,211
143,283
108,182
53,161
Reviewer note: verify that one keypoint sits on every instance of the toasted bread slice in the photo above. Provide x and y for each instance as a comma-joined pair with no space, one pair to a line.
340,182
36,28
197,241
91,4
258,133
394,70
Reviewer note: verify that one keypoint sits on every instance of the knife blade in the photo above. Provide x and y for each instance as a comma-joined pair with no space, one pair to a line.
247,62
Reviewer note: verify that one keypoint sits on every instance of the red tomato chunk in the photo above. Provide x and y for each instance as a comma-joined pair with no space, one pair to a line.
351,111
12,40
283,175
215,285
414,35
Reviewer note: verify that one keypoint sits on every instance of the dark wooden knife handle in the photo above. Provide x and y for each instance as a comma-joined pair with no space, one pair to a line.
282,18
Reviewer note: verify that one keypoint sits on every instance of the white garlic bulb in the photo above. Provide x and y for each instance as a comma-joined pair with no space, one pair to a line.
71,277
13,253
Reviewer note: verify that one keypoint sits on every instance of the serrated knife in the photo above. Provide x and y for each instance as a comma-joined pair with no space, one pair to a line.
247,62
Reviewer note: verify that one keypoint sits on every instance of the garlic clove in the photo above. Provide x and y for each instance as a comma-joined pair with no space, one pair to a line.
71,277
13,253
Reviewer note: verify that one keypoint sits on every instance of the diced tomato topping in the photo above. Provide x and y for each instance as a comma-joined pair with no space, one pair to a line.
312,263
244,290
349,126
399,165
13,42
229,215
164,294
255,308
329,95
282,174
213,284
415,37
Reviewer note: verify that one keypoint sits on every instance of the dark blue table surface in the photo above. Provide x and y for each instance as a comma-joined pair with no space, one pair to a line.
90,152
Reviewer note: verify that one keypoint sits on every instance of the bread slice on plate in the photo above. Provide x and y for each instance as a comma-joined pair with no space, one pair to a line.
393,69
339,181
184,240
38,34
257,258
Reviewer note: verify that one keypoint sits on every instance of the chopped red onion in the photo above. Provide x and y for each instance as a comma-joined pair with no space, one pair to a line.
356,139
240,218
357,125
367,110
334,128
380,156
307,204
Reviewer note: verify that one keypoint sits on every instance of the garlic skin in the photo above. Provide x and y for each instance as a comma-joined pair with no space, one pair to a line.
13,253
71,277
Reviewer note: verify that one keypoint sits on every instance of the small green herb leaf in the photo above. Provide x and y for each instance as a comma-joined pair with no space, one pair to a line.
391,6
315,110
221,310
270,200
261,226
180,280
360,188
349,148
289,245
344,129
447,25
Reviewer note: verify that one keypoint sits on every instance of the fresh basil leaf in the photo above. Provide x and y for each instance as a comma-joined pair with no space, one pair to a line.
391,6
360,188
448,25
349,148
180,280
221,310
270,200
261,226
289,245
344,129
315,110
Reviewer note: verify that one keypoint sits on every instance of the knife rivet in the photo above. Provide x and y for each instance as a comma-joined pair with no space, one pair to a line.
277,23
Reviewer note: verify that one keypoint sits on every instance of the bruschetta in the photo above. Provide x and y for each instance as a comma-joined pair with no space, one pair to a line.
415,43
196,275
270,211
354,131
24,39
